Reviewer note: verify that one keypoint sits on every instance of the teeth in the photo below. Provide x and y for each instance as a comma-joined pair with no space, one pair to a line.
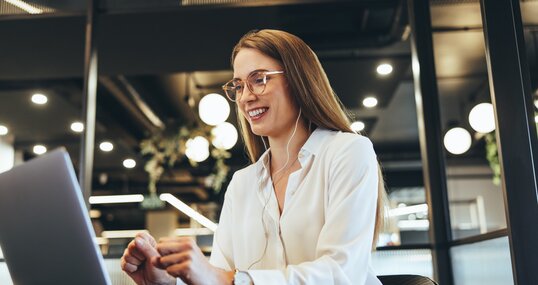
257,112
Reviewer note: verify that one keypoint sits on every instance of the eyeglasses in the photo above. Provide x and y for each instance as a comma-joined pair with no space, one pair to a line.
256,83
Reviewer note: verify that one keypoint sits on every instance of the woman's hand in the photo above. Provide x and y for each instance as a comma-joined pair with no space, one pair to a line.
137,262
182,258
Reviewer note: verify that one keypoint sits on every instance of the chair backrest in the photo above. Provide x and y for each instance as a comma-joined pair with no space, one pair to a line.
405,280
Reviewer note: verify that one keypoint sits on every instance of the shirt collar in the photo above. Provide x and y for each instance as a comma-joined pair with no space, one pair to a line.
312,146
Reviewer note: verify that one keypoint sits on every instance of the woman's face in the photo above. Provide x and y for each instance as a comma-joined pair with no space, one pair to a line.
272,113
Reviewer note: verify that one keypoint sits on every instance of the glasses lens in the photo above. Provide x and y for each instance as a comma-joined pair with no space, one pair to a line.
257,81
232,89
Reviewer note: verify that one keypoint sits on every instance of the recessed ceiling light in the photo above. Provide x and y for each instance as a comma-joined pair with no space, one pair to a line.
129,163
77,127
39,149
39,99
106,146
384,69
358,126
3,130
369,102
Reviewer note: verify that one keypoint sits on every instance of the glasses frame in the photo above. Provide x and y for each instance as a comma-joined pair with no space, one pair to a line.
265,73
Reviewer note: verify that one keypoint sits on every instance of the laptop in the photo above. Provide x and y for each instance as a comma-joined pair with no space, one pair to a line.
45,230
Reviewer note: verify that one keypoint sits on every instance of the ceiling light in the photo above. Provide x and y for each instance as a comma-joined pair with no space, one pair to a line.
3,130
113,199
536,103
185,209
197,149
25,6
106,146
384,69
77,127
369,102
536,119
129,163
457,140
213,109
482,118
39,149
39,99
224,136
358,126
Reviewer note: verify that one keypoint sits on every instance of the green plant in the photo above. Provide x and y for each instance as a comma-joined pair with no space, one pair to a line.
167,150
492,156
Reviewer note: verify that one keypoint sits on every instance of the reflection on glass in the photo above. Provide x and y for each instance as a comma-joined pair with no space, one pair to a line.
390,262
476,203
407,218
486,262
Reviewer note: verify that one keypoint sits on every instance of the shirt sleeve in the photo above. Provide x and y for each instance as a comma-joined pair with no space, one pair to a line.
345,242
221,254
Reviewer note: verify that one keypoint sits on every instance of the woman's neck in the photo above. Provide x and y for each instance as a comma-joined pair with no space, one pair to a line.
279,147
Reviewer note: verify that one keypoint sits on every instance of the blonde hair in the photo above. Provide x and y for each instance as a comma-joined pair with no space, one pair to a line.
310,90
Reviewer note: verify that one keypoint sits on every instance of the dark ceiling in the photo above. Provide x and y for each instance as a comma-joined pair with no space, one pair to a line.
168,54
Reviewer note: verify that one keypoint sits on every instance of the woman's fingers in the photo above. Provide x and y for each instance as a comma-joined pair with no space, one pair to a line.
181,270
132,250
128,267
167,248
176,258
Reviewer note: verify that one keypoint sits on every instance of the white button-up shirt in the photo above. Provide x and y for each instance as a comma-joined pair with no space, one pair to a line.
324,234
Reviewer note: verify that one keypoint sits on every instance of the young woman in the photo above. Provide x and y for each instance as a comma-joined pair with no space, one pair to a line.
308,208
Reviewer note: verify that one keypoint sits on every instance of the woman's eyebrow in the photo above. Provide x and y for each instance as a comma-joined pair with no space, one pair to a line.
237,78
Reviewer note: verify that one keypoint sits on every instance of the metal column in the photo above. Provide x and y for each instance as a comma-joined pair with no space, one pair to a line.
89,103
516,132
430,134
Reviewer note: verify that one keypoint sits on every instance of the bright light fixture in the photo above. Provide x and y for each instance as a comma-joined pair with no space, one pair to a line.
536,103
482,118
357,126
122,233
184,208
536,119
39,149
224,136
77,127
113,199
402,211
384,69
414,224
25,6
457,140
106,146
213,109
197,149
369,102
39,99
3,130
129,163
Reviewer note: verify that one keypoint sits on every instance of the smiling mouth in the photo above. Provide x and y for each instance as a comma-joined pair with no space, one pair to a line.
256,113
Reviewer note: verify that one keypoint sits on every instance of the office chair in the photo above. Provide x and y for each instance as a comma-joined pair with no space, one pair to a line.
406,280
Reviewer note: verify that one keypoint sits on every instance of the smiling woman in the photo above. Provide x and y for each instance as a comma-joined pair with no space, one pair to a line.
307,164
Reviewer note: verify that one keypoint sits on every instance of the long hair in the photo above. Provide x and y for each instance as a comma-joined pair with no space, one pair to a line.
310,90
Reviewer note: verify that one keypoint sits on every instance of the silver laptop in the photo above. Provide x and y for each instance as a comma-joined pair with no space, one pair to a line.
45,231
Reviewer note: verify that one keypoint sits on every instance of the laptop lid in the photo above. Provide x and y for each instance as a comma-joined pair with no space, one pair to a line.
45,230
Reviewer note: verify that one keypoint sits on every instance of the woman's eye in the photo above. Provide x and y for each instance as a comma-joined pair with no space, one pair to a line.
259,80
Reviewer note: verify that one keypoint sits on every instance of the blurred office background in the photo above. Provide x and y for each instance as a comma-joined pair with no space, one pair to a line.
157,62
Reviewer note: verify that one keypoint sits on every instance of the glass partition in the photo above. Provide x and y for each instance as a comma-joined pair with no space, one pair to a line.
485,262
